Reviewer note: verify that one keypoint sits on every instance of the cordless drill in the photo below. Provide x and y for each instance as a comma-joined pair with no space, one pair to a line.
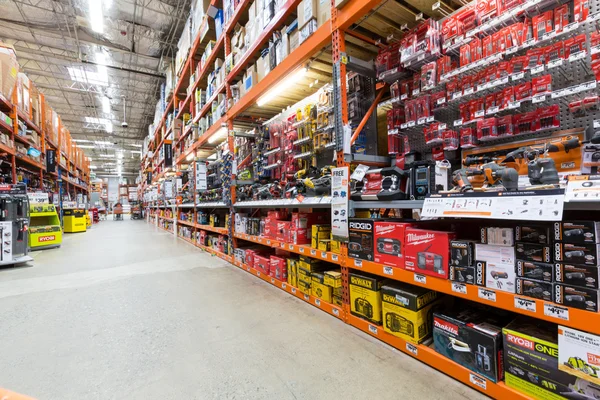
495,176
542,171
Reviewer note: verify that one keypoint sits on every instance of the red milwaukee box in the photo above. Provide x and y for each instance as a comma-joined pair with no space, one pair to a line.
449,29
465,55
555,52
503,69
466,21
270,230
278,268
541,85
574,45
427,252
476,51
467,138
505,126
543,24
486,9
505,96
581,10
262,264
283,229
523,91
487,129
389,242
548,117
525,123
299,236
536,57
518,64
561,17
499,39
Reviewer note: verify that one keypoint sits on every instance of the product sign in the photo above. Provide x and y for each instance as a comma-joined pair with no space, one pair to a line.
579,354
339,203
149,178
43,239
201,176
583,190
50,160
168,150
38,197
528,205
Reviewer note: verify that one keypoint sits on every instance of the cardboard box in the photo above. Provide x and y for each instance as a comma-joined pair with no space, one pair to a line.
577,231
323,244
333,279
292,271
360,243
278,268
577,297
304,287
577,275
307,30
323,12
428,252
472,338
9,69
319,289
499,264
532,233
535,270
577,254
335,246
307,10
319,232
389,242
497,236
531,361
474,275
533,252
462,253
407,311
337,300
365,296
262,264
536,289
578,355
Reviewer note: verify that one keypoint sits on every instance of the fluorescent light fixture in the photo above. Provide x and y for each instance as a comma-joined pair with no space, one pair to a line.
190,156
93,167
281,87
83,141
86,146
108,126
105,105
96,16
134,145
218,135
78,74
119,155
101,143
107,155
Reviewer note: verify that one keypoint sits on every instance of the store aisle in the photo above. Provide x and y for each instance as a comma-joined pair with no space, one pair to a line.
127,311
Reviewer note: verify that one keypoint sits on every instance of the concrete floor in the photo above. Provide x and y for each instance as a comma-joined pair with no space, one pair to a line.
127,311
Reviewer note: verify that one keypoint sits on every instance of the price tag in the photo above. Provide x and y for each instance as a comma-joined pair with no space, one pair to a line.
525,304
442,126
538,98
458,122
306,297
313,252
441,100
571,27
459,288
528,43
430,119
594,16
247,237
555,63
283,285
282,245
422,279
373,329
468,91
421,120
404,96
595,49
318,302
552,310
301,249
273,281
411,348
511,50
478,381
487,294
588,85
517,76
410,124
334,257
577,56
257,273
248,268
358,263
403,125
388,270
416,92
456,96
537,69
336,312
293,290
479,114
514,104
421,57
323,254
596,123
492,110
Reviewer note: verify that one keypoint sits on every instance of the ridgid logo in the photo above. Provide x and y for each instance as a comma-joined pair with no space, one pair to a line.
519,341
445,326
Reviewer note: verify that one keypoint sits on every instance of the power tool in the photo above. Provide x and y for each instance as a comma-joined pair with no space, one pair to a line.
542,171
496,177
397,323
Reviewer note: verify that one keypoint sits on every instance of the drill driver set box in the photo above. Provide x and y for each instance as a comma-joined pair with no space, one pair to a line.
580,254
533,234
389,242
535,270
408,310
428,252
463,267
531,362
577,231
472,338
360,243
365,296
577,297
536,289
577,275
533,252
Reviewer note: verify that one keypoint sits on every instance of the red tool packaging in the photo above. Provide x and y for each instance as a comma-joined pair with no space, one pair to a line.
548,117
488,47
518,64
555,52
525,123
389,242
428,76
433,134
485,10
468,138
536,57
410,111
451,141
487,129
543,24
541,85
523,91
427,252
506,96
505,126
574,45
561,17
581,10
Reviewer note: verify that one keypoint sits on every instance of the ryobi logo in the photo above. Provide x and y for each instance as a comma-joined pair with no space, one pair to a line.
445,326
519,268
519,341
361,225
558,272
557,251
483,235
43,239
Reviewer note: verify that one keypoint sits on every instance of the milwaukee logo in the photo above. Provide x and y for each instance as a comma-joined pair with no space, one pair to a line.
42,239
361,225
413,237
384,230
519,341
445,326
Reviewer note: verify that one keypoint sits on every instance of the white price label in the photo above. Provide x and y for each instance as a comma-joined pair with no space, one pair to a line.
323,254
479,114
273,281
257,273
577,56
514,104
410,124
306,297
336,312
283,285
422,279
318,302
478,381
511,50
248,268
441,100
282,245
416,92
291,247
468,91
459,288
373,329
493,110
403,125
525,304
555,63
388,270
517,76
411,348
528,43
537,69
487,294
571,27
588,85
552,310
595,49
293,290
404,96
421,120
596,123
458,122
301,249
442,127
538,98
456,96
358,263
313,252
334,257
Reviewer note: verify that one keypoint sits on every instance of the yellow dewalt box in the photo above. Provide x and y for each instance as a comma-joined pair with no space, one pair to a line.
324,244
304,287
337,291
408,311
311,264
335,246
292,271
319,232
304,275
336,300
333,279
74,220
319,289
365,297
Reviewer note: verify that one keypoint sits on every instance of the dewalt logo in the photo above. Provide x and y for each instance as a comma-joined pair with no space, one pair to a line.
366,283
424,300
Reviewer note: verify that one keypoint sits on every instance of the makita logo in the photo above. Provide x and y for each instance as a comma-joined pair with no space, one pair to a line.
361,225
42,239
445,326
519,341
413,237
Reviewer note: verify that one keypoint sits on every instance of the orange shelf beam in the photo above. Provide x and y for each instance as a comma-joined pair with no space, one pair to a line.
216,229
